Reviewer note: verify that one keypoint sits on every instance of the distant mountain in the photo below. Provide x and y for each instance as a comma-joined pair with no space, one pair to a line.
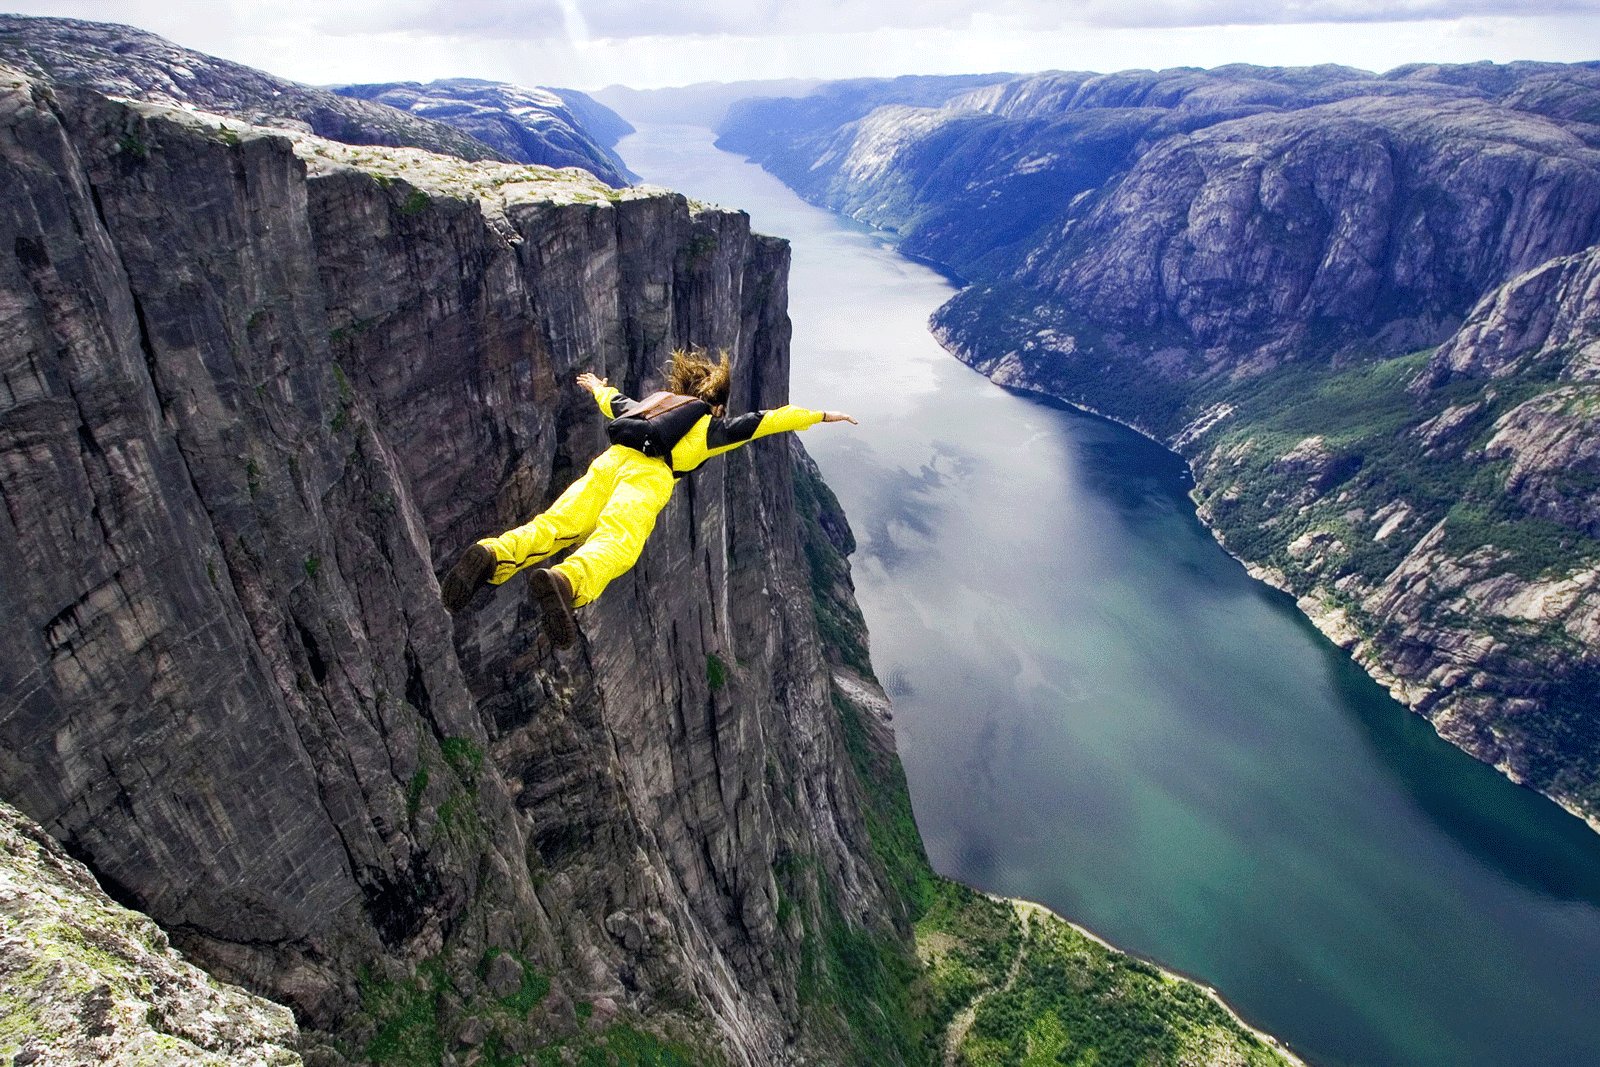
552,127
1363,306
132,63
702,104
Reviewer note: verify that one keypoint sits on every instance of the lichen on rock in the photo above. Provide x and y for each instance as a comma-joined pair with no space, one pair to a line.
84,980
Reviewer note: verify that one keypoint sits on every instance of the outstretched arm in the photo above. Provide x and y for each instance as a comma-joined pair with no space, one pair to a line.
723,435
604,393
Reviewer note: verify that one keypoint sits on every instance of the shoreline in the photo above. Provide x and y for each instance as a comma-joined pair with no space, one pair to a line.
1268,1039
1341,632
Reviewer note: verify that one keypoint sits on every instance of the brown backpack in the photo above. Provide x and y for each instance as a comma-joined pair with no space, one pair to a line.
645,427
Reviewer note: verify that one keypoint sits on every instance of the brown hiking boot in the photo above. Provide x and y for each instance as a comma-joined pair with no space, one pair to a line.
553,593
469,573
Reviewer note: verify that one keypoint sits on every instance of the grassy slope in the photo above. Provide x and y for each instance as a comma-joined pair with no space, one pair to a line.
1366,415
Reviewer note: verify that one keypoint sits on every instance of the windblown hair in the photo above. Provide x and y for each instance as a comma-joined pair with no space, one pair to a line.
692,373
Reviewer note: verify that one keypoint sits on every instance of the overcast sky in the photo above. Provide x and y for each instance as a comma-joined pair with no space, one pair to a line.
588,44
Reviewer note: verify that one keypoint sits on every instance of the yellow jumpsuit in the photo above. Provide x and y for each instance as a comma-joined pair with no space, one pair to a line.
610,511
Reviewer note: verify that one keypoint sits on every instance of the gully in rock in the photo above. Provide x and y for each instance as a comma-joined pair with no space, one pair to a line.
609,512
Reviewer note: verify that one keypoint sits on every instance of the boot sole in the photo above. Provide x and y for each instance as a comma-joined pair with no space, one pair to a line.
470,573
553,602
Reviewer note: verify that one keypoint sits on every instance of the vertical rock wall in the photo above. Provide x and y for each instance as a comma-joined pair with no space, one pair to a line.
245,417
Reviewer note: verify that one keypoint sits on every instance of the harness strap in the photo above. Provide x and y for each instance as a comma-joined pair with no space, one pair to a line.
659,404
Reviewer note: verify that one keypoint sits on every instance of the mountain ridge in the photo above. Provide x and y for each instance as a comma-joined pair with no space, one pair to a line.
1199,253
550,127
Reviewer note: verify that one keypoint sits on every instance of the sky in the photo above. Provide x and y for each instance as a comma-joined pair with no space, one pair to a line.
589,44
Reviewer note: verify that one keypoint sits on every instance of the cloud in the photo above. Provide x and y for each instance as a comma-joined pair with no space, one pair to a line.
581,20
592,43
1195,13
627,19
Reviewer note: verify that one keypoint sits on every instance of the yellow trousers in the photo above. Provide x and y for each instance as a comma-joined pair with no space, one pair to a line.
611,510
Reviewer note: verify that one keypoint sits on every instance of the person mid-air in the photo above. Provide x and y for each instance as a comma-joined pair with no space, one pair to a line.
609,512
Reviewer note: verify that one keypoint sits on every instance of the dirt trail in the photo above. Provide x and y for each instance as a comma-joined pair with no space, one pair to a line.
962,1023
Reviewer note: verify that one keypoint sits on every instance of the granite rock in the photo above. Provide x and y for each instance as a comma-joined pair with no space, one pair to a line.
134,64
551,127
256,392
1200,253
84,980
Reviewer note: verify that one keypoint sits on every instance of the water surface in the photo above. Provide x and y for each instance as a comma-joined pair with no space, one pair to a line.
1099,710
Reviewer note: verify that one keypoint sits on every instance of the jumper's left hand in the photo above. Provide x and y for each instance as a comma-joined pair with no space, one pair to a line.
590,382
839,416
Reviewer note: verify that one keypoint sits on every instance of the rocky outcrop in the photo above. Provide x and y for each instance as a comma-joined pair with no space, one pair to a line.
551,127
122,61
257,392
86,981
1554,308
1254,265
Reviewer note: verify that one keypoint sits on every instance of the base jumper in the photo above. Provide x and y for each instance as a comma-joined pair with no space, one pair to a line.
609,512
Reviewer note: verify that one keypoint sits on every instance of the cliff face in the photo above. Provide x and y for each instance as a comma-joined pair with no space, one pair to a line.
254,398
1254,265
126,62
551,127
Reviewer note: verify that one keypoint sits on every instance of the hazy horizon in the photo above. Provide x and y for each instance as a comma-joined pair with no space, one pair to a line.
639,44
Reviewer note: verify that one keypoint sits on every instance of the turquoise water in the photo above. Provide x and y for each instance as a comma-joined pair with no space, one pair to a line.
1099,710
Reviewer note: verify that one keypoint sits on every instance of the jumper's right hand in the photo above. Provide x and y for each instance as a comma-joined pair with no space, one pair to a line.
590,382
839,416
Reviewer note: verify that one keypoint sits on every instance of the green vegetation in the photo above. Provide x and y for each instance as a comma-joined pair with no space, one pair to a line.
313,565
405,1015
414,790
1075,1001
346,394
968,942
827,542
1083,360
1045,993
1370,423
891,825
867,988
716,672
700,249
348,333
533,989
132,144
622,1045
459,814
461,820
464,757
417,202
